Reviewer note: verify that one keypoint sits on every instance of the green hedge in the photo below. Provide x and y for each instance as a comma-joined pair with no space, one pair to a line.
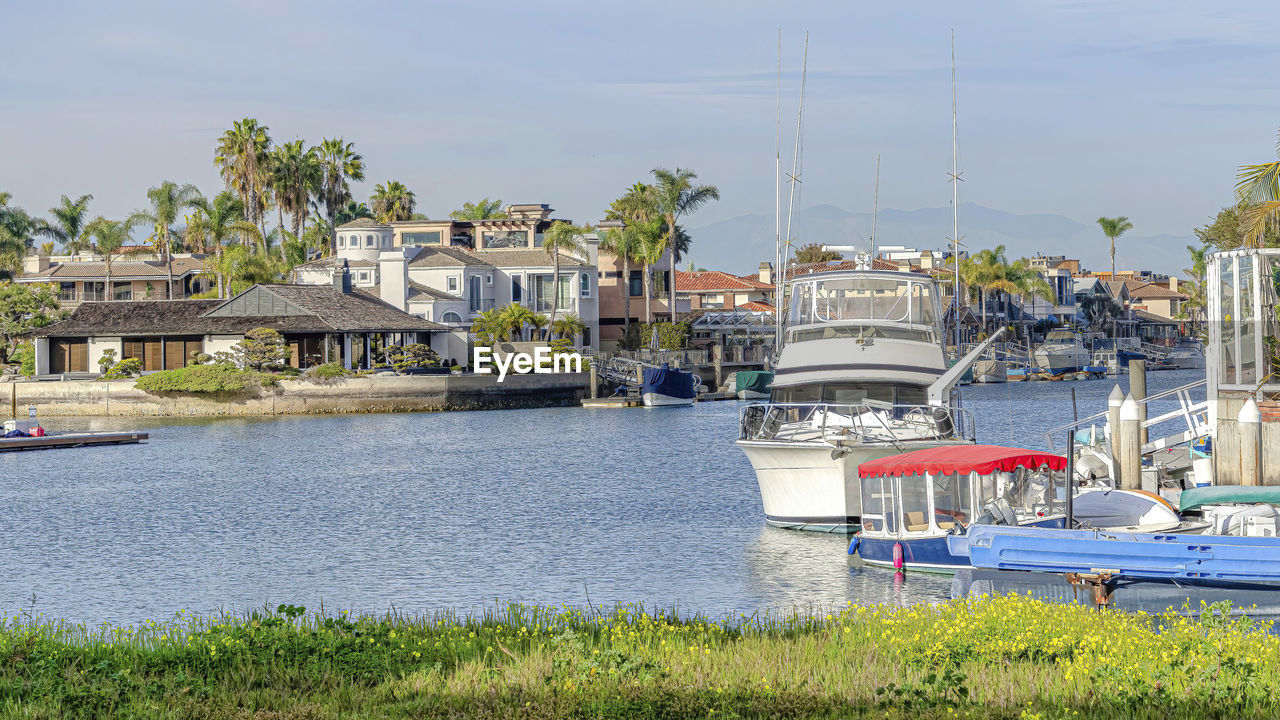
216,378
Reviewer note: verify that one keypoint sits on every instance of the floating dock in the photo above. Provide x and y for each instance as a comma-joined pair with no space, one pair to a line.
611,402
71,440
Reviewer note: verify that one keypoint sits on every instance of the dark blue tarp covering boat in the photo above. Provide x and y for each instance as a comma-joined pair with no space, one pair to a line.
668,386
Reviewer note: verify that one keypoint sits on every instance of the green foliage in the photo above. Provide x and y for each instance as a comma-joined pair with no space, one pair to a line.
1000,657
327,371
670,337
486,209
262,349
215,378
23,308
126,368
107,360
413,355
25,358
813,253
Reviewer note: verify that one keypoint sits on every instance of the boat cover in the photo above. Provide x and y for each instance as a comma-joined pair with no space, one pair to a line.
668,381
1225,494
982,459
757,380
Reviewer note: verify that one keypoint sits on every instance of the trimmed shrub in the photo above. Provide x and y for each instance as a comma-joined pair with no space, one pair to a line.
126,368
413,355
327,374
262,349
217,378
107,361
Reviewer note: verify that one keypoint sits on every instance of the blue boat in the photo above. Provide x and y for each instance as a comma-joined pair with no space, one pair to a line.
912,503
666,385
1199,559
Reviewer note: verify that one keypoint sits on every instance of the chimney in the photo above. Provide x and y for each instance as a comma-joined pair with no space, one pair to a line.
766,273
1173,283
393,276
342,280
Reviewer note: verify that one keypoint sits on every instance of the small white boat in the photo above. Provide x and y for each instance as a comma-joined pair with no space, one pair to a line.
666,386
1186,356
988,370
1062,351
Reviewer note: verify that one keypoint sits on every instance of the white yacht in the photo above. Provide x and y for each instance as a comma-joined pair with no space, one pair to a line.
862,375
1062,351
1186,355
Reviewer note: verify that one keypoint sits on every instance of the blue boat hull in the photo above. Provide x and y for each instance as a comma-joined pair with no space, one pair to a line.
668,386
928,553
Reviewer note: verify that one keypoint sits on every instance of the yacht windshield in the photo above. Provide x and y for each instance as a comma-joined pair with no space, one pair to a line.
865,298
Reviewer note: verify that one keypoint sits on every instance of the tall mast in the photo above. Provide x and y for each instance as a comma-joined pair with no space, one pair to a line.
777,212
875,207
955,201
794,177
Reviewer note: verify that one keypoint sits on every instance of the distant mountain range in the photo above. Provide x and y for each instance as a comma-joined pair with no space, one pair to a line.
740,244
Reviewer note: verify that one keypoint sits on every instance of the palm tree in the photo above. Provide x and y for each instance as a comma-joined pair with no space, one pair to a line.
621,243
214,223
651,247
676,195
635,208
168,199
392,202
238,267
513,319
569,326
69,220
108,237
340,165
486,209
1259,186
487,327
351,211
16,229
561,237
536,323
295,176
242,158
1114,228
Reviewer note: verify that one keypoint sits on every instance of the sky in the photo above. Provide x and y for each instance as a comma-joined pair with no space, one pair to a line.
1083,109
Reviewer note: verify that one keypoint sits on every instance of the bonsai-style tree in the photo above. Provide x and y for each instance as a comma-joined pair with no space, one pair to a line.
262,349
413,355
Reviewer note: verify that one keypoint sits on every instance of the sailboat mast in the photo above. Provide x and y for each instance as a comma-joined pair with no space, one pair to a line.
875,208
777,212
955,200
795,157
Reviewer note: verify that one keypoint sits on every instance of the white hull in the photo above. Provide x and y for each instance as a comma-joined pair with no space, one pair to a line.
1057,361
990,371
1186,362
752,395
803,488
660,400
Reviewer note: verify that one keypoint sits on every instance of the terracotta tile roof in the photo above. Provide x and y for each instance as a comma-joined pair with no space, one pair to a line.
319,308
756,306
1151,291
713,280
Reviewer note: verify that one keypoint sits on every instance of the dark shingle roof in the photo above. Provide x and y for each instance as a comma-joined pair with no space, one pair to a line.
534,257
445,257
363,223
320,309
120,270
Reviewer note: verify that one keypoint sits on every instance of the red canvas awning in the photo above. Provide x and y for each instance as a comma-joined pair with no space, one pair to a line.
982,459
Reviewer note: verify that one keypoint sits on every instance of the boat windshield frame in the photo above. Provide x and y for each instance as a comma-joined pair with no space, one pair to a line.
885,514
917,311
766,422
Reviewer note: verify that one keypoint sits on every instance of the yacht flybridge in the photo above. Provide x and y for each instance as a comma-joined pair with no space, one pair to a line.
862,375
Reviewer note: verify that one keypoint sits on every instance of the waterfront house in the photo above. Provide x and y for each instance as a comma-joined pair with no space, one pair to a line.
321,323
721,290
462,270
618,293
138,275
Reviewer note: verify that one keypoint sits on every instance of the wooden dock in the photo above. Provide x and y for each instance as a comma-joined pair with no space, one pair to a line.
611,402
71,440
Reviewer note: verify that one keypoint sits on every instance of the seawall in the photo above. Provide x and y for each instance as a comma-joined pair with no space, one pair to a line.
295,397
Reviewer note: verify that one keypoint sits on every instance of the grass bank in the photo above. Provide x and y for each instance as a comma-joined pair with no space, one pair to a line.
999,657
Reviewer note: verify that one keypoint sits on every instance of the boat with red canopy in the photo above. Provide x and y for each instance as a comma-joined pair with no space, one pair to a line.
912,502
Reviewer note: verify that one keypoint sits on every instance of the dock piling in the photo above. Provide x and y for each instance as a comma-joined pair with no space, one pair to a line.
1114,401
1250,420
1129,460
1138,390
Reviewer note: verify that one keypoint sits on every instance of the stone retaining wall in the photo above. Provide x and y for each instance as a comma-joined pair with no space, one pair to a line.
349,395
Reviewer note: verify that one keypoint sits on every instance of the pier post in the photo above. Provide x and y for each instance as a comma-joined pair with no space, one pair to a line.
1138,390
1129,462
717,359
595,382
1250,423
1114,401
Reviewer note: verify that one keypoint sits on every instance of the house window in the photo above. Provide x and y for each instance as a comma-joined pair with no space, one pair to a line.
421,238
505,239
368,241
584,285
473,293
488,279
451,317
517,289
342,241
122,290
635,283
453,283
363,276
586,336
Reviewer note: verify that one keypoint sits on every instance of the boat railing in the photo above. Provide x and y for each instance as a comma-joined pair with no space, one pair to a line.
1193,413
833,423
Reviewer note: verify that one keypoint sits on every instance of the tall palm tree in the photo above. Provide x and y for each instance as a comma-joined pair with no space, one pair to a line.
168,200
676,195
296,172
217,221
108,237
340,165
392,202
561,237
69,220
635,208
16,229
621,243
242,157
486,209
1114,228
651,247
1259,186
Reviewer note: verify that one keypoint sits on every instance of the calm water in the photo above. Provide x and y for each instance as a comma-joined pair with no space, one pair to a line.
444,510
